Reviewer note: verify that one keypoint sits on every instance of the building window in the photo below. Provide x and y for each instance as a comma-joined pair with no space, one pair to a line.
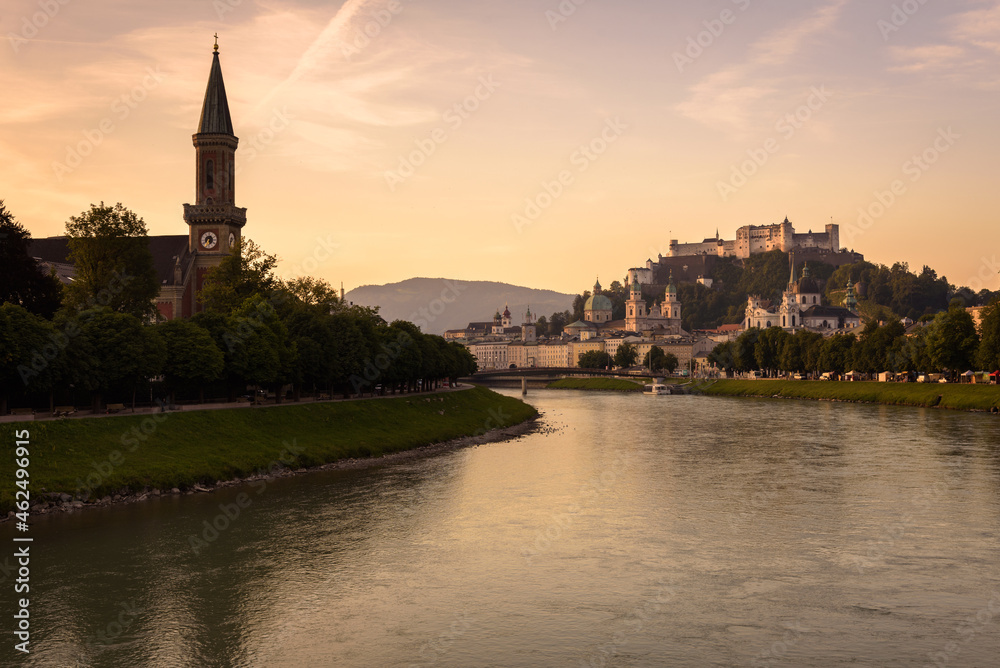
814,299
209,175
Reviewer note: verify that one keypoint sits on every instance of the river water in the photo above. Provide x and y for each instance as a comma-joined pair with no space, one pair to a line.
628,531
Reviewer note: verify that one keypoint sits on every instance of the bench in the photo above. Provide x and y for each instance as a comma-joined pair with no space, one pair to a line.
63,411
243,400
22,411
115,408
323,397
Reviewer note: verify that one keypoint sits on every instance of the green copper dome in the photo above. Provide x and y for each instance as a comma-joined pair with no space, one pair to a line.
598,303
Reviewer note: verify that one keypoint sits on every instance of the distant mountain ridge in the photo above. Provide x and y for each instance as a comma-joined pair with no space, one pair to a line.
440,304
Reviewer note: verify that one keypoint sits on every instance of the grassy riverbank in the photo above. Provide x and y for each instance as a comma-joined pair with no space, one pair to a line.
109,455
608,384
957,397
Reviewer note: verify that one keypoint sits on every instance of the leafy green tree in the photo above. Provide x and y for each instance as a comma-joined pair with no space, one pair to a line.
626,355
594,359
952,340
578,303
767,350
193,360
110,252
113,352
914,352
463,363
30,354
658,360
723,358
744,355
22,279
989,348
247,272
314,292
836,353
557,323
670,362
261,354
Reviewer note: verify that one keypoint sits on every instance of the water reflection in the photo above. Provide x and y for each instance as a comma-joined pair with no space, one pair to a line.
646,531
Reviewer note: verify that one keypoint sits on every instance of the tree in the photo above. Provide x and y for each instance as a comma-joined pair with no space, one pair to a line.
670,362
835,353
989,347
744,356
29,354
626,355
192,358
767,350
259,344
114,266
22,279
594,359
558,322
314,292
113,352
723,358
657,360
952,340
246,272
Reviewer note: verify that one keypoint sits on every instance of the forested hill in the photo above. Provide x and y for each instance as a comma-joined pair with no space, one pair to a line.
883,292
439,304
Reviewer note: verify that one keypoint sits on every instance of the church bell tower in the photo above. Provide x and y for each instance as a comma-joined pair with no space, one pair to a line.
214,221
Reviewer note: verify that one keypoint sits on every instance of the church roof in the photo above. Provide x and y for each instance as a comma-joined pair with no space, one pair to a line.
215,117
163,249
598,303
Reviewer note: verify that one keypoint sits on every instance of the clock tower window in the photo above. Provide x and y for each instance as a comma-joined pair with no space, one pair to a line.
209,175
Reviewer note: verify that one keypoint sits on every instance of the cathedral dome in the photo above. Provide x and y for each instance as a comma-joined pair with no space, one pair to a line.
598,303
806,286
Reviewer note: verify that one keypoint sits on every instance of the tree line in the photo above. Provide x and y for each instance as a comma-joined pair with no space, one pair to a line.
100,337
948,342
888,292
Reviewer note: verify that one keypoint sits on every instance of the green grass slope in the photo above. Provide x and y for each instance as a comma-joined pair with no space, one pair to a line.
958,397
108,455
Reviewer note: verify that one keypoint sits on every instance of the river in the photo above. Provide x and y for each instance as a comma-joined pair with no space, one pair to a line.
627,531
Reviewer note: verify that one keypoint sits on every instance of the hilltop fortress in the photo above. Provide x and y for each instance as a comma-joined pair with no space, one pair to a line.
692,262
753,239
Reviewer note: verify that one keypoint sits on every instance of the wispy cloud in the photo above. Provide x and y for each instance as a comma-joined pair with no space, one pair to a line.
966,55
728,99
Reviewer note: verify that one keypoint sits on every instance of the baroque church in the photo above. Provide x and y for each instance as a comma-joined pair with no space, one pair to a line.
802,307
664,318
214,221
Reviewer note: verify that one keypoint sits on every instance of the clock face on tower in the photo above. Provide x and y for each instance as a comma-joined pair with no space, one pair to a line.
232,239
209,240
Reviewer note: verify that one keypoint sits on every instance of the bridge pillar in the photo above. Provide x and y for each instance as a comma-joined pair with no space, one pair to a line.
524,386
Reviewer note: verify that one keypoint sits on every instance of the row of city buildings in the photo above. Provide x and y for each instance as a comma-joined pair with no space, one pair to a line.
500,344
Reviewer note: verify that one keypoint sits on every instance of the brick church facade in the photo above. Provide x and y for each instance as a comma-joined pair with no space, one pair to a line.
214,221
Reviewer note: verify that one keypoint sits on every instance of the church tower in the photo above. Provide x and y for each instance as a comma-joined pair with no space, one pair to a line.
635,308
529,332
671,307
214,221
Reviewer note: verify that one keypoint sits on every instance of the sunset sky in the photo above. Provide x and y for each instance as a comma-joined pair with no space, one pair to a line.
477,108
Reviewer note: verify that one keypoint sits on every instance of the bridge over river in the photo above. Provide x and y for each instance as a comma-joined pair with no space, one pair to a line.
540,377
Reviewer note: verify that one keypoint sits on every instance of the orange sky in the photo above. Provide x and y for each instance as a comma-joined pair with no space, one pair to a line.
415,151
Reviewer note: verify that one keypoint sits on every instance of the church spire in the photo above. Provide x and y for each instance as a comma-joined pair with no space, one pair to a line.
215,117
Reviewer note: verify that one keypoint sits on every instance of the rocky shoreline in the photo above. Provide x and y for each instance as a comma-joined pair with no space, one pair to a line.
54,502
